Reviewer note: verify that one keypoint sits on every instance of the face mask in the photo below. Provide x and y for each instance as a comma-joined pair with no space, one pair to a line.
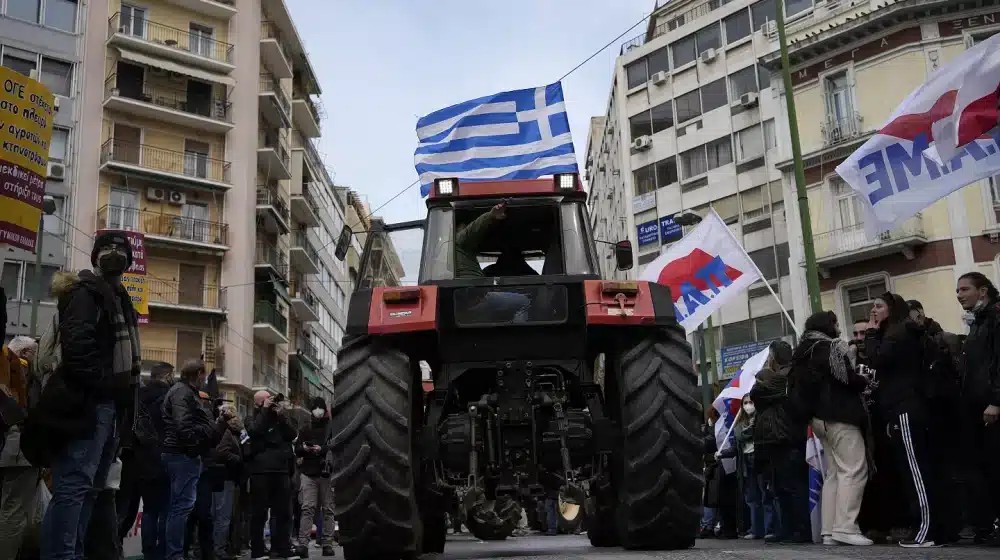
749,408
113,263
318,413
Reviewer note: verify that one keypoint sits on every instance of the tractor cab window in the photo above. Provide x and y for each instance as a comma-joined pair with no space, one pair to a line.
522,241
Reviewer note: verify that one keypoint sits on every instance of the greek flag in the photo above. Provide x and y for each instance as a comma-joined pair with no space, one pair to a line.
522,134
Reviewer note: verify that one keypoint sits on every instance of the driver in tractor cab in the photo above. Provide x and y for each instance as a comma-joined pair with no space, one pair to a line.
510,263
469,238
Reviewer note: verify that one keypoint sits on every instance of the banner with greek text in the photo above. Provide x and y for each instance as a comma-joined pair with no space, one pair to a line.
27,108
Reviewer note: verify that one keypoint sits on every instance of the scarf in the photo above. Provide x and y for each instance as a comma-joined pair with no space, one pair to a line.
839,352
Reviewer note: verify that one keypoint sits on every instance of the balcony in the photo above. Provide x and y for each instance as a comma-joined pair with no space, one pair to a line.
152,356
267,377
304,208
164,103
306,350
272,53
274,102
303,255
272,157
850,244
839,130
307,115
219,9
269,324
303,303
172,229
186,46
268,257
272,210
163,164
193,295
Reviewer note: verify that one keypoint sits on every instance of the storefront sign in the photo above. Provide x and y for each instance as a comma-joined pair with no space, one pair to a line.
644,202
670,231
733,357
648,233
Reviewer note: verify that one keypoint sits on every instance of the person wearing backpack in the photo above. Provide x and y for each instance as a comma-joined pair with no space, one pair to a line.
18,477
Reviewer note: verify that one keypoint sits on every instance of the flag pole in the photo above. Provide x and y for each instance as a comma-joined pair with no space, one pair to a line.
809,252
725,440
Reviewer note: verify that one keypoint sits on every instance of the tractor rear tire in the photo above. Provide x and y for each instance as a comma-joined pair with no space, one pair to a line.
659,470
374,449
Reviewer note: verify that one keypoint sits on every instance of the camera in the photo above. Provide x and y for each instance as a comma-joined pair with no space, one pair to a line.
277,398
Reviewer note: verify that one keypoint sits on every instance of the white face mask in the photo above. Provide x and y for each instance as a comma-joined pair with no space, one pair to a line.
318,413
749,408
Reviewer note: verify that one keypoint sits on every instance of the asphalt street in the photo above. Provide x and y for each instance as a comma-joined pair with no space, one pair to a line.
464,547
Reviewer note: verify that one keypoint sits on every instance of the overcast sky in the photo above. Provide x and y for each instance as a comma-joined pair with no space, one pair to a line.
384,63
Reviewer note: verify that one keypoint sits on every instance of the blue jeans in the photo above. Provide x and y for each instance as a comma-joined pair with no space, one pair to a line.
79,472
551,516
760,501
183,473
708,518
222,514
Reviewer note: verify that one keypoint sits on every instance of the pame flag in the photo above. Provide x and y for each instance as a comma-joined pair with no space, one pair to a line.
521,134
730,399
703,270
942,137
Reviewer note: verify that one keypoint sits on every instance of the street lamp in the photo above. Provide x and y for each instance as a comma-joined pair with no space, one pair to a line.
691,218
48,208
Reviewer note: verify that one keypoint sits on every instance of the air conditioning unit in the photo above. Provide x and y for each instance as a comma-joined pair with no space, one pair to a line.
658,78
156,193
749,99
707,55
770,28
642,143
56,171
177,198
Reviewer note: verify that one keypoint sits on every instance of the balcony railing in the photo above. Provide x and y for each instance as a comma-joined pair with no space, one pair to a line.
308,196
190,40
853,239
301,241
269,85
213,107
298,291
268,30
266,313
273,141
268,254
267,376
169,292
189,164
162,224
266,196
315,107
837,130
305,347
214,360
678,20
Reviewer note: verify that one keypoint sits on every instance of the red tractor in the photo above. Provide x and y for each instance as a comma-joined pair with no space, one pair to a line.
548,382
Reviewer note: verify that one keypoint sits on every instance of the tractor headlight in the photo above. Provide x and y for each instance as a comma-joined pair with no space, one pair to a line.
566,181
445,187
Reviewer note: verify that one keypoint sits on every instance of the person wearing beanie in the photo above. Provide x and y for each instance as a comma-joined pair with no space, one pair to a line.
316,488
85,403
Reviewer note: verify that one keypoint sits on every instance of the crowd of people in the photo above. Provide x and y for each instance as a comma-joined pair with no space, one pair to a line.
908,416
84,442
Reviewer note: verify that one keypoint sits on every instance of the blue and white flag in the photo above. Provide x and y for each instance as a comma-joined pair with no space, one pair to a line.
522,134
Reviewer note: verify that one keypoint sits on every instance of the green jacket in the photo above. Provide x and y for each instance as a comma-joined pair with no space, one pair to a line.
467,244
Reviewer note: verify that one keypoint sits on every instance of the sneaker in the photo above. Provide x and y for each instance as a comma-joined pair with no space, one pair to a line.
828,541
260,557
329,552
748,537
302,551
910,543
851,539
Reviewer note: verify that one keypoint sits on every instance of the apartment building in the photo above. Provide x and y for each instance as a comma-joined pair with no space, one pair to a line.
221,180
41,38
852,64
691,125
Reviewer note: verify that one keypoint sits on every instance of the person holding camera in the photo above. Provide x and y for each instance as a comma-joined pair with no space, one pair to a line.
316,489
271,435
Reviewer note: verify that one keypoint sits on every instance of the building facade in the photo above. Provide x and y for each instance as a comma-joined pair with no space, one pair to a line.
41,38
691,125
852,64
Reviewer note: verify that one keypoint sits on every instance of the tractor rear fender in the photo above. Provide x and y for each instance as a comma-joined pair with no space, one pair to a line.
393,309
628,303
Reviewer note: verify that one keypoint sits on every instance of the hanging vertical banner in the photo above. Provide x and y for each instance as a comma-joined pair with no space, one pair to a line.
26,111
134,278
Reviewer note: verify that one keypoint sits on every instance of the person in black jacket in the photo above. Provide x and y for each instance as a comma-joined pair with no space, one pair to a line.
83,405
316,489
831,392
779,438
229,454
189,431
271,435
980,401
895,346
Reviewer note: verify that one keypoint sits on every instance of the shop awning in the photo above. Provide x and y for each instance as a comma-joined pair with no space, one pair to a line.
175,67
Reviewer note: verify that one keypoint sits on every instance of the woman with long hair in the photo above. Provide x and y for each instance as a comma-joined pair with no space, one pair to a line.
894,345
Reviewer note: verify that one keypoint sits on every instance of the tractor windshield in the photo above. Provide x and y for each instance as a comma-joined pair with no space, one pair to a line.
533,237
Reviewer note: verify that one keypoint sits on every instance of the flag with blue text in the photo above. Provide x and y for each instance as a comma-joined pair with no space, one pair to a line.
521,134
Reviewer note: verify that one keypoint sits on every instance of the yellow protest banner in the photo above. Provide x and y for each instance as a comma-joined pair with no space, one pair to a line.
27,109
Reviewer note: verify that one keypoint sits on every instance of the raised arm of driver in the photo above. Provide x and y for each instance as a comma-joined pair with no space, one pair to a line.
472,235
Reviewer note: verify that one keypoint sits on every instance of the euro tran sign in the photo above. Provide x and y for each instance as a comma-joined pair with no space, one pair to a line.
695,280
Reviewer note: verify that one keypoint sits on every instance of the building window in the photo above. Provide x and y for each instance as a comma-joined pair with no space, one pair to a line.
645,179
132,21
55,223
709,37
18,281
26,10
639,125
763,77
688,106
770,140
859,298
713,95
59,145
658,61
749,143
720,152
201,40
10,280
763,12
782,254
850,212
693,162
743,81
838,99
753,203
57,75
737,26
666,172
793,7
636,73
728,208
24,62
662,116
60,14
766,261
737,333
684,51
769,327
